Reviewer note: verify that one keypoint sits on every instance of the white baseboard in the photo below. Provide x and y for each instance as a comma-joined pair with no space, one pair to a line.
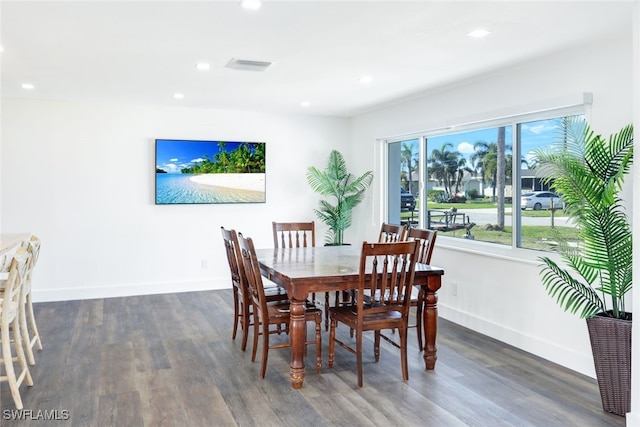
567,357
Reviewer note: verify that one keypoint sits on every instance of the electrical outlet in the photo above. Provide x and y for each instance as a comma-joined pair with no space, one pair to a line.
204,264
454,288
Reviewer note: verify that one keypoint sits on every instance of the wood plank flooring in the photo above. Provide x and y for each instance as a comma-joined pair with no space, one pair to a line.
168,360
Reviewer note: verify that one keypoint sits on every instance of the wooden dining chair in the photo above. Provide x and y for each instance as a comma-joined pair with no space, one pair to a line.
10,322
426,242
266,314
30,333
297,235
391,233
242,307
387,271
294,234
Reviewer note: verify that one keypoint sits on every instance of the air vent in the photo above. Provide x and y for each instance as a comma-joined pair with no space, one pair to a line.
248,65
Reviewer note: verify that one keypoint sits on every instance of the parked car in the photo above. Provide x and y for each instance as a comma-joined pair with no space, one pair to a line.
538,200
407,200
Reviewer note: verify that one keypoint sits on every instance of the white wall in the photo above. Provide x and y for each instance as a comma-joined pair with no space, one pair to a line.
633,417
81,177
501,296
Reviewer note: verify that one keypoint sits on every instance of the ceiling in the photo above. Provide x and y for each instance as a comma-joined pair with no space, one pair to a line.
144,52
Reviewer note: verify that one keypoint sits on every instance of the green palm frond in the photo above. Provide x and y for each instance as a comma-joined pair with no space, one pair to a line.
571,294
320,182
345,190
336,167
588,171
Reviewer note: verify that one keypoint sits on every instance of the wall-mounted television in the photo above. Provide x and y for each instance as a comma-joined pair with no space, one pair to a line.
199,172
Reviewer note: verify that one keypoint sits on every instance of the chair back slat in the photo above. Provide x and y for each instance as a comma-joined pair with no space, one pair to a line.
426,240
32,246
251,269
386,272
294,234
390,233
228,236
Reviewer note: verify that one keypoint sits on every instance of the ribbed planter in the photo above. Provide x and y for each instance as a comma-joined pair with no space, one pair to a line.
611,346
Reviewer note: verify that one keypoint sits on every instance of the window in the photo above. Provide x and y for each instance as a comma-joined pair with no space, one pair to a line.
476,182
403,182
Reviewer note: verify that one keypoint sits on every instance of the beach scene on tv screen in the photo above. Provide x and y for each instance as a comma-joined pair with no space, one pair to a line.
210,172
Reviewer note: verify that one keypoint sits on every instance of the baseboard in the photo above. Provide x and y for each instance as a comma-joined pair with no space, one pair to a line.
567,357
69,294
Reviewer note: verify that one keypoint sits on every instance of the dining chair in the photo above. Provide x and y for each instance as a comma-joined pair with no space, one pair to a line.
10,322
389,233
296,235
426,242
387,270
392,233
242,307
266,314
29,331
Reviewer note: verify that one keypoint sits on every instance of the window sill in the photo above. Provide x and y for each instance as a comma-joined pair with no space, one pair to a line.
492,250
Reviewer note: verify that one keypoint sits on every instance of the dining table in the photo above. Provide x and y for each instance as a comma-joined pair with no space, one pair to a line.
305,270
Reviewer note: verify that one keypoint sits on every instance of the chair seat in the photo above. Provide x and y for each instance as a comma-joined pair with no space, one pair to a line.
269,284
280,309
275,294
371,321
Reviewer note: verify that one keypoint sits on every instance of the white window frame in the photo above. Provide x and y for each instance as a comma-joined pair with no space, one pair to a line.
472,246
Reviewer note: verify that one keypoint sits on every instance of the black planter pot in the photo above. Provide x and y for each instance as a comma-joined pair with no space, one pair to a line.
611,347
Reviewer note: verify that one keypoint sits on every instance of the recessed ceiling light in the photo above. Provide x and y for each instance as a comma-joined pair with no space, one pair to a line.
27,86
203,66
251,4
1,48
305,103
478,33
366,79
178,95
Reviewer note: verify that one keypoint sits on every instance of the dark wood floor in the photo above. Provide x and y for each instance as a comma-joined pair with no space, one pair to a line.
168,360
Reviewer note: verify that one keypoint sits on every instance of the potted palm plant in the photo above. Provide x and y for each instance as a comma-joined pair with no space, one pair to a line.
345,191
588,170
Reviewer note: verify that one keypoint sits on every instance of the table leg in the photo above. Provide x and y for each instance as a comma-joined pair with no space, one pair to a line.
430,322
297,335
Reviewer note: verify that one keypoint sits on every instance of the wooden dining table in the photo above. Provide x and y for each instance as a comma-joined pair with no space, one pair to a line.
305,270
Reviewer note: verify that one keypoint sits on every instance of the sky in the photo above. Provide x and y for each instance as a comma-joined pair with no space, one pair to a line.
172,155
535,134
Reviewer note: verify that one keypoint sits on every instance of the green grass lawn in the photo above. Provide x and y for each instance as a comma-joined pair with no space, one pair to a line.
482,204
533,237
